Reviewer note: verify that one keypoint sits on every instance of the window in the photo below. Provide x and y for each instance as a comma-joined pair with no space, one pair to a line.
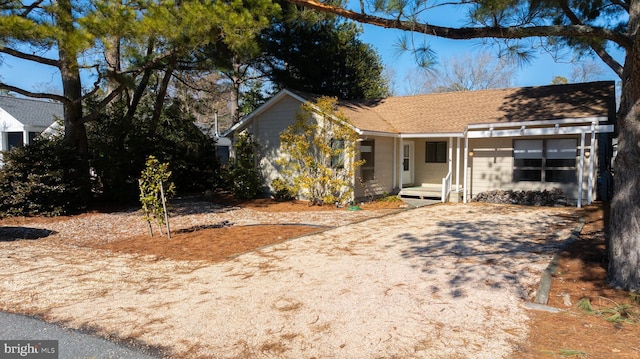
15,139
436,152
552,160
337,154
367,152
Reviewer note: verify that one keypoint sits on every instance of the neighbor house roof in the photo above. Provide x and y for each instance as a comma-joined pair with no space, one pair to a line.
32,112
452,112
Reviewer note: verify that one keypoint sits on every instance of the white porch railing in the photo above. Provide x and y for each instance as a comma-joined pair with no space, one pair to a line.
446,187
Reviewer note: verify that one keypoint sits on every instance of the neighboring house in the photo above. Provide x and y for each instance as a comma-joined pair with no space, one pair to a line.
223,144
465,143
21,120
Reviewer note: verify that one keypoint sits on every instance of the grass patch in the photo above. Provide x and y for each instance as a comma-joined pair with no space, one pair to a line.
618,313
571,353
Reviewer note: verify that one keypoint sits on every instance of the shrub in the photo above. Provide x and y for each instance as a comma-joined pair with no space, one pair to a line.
282,191
244,177
42,179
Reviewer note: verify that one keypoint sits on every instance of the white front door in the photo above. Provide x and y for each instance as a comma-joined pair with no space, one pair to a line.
407,162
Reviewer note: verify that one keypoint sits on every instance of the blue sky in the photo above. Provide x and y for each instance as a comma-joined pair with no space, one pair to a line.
540,71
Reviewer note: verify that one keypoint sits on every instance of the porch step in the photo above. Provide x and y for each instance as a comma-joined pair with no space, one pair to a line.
422,192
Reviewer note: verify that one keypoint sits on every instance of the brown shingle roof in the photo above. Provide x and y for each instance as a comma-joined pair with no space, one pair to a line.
451,112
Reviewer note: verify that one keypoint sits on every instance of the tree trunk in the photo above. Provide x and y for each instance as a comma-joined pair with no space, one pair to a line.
75,133
624,241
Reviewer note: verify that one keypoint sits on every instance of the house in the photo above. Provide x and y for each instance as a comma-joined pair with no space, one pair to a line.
21,120
456,145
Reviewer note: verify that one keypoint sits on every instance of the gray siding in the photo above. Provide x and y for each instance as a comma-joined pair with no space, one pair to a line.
383,182
491,168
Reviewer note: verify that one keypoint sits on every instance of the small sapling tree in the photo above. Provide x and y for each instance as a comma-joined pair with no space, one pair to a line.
155,190
319,149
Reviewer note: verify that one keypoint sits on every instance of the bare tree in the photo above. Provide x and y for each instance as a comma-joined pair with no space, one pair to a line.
469,72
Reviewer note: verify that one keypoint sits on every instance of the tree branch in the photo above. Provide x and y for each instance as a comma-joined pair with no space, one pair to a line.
30,57
465,33
596,47
48,96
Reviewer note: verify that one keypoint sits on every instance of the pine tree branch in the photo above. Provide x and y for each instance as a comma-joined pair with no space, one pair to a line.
465,33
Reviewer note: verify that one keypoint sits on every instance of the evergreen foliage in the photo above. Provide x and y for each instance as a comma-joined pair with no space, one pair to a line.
119,148
41,180
322,55
244,176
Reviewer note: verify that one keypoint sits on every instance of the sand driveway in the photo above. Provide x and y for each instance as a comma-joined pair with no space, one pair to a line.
445,281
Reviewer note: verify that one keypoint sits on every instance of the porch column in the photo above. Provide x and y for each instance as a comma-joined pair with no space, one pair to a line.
450,160
458,166
592,156
25,136
398,159
581,170
464,170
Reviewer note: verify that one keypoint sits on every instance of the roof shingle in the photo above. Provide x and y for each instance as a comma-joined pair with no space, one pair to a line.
452,112
32,112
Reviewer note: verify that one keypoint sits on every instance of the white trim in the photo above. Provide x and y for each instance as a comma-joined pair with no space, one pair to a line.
431,135
464,170
375,133
262,108
546,131
581,170
592,156
457,167
540,122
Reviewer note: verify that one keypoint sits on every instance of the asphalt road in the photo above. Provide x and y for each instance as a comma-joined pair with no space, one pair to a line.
72,344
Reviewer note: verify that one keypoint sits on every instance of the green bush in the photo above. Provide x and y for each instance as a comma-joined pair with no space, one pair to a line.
282,191
120,146
244,176
42,179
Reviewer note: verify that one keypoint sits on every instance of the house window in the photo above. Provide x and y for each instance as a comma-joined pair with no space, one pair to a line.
337,154
15,139
436,152
552,160
367,152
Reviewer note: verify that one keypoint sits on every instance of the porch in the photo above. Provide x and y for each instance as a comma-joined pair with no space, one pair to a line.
430,191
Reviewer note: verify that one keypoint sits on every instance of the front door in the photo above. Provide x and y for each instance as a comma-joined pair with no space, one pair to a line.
407,162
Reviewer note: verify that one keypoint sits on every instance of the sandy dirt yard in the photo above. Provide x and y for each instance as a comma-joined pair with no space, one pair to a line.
444,281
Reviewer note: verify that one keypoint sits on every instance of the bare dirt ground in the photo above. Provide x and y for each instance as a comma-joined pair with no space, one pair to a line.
446,281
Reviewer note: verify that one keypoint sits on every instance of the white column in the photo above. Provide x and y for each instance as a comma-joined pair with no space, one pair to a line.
395,164
25,136
464,169
581,170
592,157
450,160
458,165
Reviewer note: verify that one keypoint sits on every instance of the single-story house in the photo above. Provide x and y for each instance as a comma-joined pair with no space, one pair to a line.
21,120
456,145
